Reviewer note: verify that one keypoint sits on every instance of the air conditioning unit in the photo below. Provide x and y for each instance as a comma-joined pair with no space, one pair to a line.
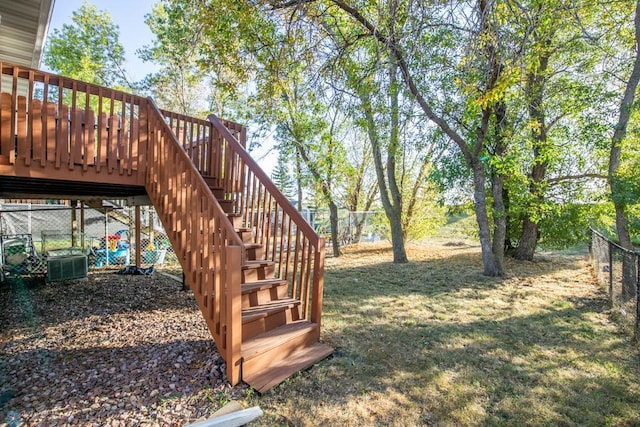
66,268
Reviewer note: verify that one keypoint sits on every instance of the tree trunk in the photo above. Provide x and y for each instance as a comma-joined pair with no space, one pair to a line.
392,210
528,240
536,82
624,239
497,185
394,213
333,219
326,192
491,267
622,229
357,235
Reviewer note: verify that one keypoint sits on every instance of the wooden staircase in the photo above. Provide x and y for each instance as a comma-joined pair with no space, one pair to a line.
277,340
254,264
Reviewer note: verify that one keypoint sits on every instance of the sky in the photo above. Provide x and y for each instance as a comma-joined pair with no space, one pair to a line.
128,15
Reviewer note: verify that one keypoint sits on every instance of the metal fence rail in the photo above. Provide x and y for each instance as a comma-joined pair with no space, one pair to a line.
617,269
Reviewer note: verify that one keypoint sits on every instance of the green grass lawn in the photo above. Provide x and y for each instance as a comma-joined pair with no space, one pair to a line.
435,342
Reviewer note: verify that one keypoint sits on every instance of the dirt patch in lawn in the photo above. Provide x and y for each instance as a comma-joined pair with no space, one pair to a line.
425,343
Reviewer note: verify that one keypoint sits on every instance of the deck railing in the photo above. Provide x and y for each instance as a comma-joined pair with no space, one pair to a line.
61,124
286,237
205,146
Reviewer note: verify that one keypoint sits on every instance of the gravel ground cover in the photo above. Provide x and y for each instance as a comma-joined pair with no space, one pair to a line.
111,350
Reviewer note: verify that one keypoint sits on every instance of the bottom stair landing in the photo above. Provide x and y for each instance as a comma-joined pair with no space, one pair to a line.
273,356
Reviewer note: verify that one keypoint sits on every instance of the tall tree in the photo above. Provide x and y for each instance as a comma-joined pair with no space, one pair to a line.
557,83
183,84
386,169
88,49
291,99
469,45
281,176
620,131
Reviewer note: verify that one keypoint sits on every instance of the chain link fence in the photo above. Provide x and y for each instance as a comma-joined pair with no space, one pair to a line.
105,233
353,227
617,269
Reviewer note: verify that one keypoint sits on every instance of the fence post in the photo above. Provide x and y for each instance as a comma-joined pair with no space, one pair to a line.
610,246
637,325
106,236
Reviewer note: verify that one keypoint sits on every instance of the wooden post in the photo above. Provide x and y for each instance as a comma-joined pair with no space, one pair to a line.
150,225
233,313
318,284
137,237
82,225
106,236
74,223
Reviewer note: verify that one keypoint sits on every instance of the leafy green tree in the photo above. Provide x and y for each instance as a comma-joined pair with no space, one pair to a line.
365,71
88,49
464,52
388,185
550,94
183,84
616,182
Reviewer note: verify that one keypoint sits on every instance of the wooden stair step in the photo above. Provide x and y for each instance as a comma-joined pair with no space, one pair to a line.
211,183
259,292
245,233
270,377
257,270
227,205
252,314
258,285
275,338
254,251
256,264
236,219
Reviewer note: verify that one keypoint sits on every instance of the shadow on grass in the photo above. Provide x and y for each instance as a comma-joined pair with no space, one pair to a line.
551,368
455,270
435,342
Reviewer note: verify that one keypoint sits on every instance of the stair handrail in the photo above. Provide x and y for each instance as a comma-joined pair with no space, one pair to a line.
226,223
302,267
231,253
237,148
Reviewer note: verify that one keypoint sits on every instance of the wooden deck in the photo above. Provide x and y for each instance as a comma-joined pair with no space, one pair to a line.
255,266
